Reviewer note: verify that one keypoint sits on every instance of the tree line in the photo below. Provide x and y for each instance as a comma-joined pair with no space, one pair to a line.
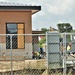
62,27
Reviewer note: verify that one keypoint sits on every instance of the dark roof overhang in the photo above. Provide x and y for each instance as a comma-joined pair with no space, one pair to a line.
34,9
37,32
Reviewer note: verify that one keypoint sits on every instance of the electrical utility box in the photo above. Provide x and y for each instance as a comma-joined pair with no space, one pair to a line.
73,44
53,50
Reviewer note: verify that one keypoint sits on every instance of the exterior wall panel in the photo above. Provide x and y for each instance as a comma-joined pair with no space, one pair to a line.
15,17
20,17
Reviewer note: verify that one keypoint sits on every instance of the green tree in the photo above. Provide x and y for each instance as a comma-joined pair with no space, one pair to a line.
42,41
64,27
44,30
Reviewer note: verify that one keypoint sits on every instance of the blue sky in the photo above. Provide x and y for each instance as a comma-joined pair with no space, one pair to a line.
52,12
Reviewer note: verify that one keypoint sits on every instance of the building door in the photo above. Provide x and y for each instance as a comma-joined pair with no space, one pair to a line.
20,37
17,41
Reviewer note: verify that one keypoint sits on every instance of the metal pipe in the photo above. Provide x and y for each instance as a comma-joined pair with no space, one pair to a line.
64,54
11,54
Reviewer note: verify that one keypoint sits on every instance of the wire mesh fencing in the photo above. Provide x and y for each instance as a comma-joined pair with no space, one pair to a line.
37,54
22,54
61,53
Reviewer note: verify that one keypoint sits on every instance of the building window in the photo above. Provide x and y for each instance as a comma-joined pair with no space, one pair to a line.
17,40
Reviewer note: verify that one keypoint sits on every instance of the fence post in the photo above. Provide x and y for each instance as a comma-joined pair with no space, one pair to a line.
47,53
11,54
64,54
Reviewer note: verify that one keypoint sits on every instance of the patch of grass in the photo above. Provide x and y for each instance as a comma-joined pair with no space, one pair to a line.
37,72
41,72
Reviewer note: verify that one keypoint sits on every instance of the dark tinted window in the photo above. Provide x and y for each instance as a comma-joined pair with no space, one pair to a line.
11,28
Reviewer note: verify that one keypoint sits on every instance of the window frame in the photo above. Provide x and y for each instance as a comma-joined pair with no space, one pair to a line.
17,32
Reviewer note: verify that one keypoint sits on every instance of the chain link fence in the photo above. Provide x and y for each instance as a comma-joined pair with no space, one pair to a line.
37,54
61,53
68,53
22,54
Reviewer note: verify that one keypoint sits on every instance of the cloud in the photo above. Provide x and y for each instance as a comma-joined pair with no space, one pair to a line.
2,0
60,7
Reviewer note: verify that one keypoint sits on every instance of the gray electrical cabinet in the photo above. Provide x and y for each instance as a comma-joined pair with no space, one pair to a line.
53,50
73,44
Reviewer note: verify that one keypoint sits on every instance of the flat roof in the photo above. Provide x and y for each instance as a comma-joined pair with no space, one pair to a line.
5,6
